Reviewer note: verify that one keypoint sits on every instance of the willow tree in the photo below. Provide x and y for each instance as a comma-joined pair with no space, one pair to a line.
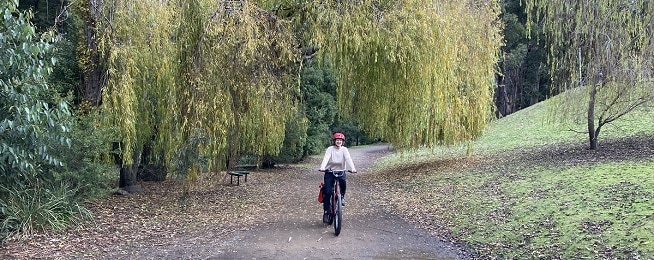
417,73
601,55
196,81
244,59
141,56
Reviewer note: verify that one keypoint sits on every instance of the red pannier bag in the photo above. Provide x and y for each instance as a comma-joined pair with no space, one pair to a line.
320,192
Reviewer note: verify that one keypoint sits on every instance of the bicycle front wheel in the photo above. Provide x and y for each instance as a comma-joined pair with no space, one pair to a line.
338,216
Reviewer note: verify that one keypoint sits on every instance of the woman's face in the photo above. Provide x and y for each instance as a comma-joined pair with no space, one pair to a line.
338,142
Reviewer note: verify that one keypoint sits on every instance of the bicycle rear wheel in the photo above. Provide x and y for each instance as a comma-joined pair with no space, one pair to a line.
338,216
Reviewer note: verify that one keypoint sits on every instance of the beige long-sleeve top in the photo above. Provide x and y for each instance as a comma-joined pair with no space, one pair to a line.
337,159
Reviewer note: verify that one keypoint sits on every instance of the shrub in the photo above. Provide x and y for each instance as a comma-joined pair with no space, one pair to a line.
318,138
87,165
30,116
294,141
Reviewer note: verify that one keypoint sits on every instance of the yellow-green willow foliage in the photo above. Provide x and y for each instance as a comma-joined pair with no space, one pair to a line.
414,72
142,60
246,55
197,78
603,49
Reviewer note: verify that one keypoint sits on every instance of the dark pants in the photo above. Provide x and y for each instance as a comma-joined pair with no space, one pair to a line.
328,189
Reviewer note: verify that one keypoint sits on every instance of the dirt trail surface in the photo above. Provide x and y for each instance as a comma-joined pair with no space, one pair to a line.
369,232
275,215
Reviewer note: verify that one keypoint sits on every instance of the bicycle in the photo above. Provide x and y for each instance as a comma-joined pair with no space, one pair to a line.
336,209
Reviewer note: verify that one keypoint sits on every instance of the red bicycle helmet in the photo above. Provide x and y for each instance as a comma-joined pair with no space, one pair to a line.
339,136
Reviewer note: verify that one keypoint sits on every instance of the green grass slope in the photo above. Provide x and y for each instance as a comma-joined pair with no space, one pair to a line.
533,190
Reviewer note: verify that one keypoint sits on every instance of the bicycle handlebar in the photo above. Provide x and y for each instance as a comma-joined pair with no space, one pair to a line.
330,170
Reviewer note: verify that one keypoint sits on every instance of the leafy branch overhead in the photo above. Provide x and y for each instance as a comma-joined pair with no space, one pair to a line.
232,81
413,72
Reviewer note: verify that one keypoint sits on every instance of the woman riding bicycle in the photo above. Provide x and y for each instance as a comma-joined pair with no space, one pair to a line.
337,157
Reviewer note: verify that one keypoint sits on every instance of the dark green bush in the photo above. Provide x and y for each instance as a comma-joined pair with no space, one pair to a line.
319,95
88,166
318,138
48,161
51,200
292,150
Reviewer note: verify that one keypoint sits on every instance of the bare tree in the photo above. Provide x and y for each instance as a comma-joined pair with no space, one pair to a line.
601,56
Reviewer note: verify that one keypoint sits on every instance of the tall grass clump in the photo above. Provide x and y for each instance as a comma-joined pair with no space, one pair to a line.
24,211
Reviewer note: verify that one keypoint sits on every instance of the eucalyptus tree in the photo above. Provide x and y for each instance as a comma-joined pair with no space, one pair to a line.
88,16
601,54
32,117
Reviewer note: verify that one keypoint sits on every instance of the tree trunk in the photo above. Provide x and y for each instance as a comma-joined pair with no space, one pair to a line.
234,148
234,133
151,169
535,93
92,69
127,176
592,135
128,173
535,87
501,98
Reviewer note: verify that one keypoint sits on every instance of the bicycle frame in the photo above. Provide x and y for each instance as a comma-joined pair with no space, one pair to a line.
336,202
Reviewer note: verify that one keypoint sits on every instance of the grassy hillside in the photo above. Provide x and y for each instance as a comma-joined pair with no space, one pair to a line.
533,190
530,129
